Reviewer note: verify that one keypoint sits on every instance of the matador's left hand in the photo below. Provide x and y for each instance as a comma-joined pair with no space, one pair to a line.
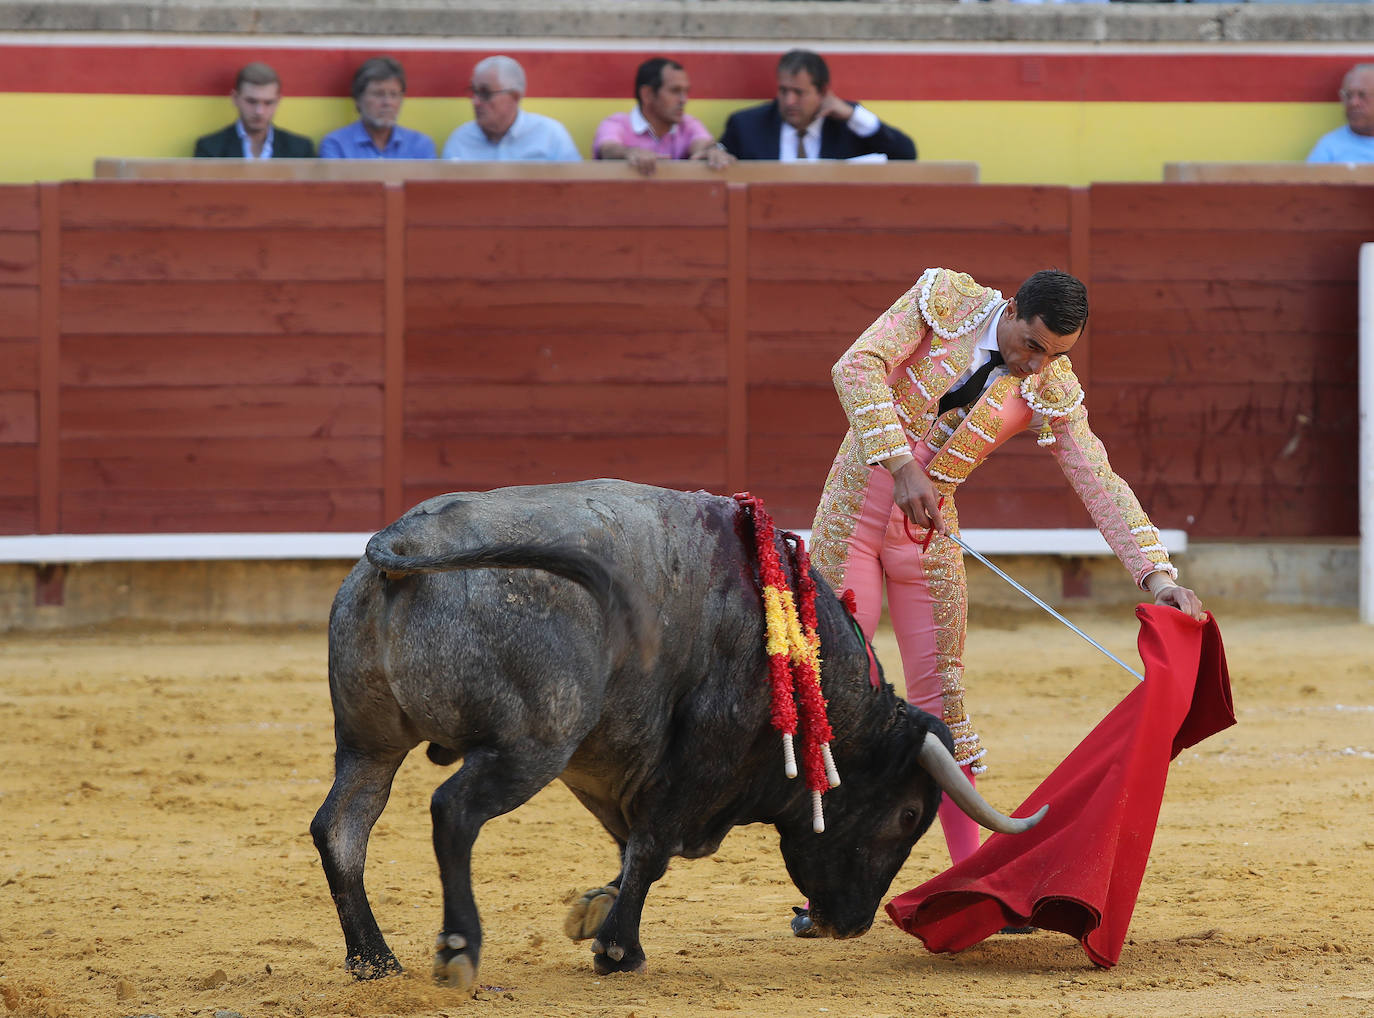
1181,598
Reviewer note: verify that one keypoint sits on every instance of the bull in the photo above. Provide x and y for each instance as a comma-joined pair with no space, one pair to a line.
611,635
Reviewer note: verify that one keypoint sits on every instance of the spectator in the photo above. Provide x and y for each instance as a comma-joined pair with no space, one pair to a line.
256,93
501,130
379,88
809,121
1353,143
659,126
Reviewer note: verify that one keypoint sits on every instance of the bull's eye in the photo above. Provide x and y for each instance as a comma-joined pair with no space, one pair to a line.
909,818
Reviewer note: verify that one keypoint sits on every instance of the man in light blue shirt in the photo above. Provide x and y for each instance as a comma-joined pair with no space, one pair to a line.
1353,143
379,88
501,130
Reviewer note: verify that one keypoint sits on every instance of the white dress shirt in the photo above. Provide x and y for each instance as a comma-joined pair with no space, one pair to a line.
982,353
862,122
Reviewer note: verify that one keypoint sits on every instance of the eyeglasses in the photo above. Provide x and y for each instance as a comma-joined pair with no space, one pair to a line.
484,94
1347,94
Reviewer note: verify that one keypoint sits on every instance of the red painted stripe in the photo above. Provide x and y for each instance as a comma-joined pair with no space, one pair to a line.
1052,77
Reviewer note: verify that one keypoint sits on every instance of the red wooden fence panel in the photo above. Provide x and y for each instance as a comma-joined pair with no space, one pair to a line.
221,349
558,331
19,261
1224,323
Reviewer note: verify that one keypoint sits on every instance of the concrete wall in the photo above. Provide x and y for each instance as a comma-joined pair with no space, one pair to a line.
300,592
739,20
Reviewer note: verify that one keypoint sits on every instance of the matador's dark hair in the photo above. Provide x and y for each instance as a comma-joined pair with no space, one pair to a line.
1057,298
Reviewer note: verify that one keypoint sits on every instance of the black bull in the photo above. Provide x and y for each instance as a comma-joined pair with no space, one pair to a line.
611,635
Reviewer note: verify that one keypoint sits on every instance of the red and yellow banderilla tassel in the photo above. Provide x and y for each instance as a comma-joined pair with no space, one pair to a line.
793,647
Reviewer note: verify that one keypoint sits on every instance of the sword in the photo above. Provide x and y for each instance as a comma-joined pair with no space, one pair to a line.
978,555
960,542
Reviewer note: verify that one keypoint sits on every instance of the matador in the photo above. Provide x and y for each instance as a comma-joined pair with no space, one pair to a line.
947,375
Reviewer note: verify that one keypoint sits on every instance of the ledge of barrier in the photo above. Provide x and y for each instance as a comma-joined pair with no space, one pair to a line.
51,549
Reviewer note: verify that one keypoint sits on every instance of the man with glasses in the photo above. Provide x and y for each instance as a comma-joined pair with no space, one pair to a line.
500,130
1353,143
379,88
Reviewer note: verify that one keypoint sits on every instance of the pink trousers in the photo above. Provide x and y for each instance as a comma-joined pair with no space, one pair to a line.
927,603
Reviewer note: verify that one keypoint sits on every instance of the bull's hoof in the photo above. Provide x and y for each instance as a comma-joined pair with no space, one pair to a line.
454,965
589,912
377,966
802,926
607,959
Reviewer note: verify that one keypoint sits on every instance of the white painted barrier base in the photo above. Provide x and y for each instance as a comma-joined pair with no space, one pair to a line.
51,549
1366,489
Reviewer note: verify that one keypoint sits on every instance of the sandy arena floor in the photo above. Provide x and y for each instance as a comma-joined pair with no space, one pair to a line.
156,788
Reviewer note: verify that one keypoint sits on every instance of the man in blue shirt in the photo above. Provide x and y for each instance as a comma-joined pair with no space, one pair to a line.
501,130
1353,143
379,88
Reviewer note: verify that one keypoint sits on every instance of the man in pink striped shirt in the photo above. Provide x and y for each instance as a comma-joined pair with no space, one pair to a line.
659,126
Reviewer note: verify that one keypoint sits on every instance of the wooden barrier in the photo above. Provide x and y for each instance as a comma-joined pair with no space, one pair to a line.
20,271
822,171
1269,173
1229,320
210,356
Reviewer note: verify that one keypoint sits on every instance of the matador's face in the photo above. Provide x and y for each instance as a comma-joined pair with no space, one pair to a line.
1028,345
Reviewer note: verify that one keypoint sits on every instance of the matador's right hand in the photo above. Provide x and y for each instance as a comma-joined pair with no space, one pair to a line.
914,493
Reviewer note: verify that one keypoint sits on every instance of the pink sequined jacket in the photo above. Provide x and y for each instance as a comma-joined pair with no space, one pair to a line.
891,380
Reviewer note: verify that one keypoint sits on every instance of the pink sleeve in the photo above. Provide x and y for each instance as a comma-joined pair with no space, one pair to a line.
694,130
612,129
861,374
1110,500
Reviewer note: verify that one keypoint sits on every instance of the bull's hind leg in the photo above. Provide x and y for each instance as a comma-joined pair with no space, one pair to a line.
490,782
341,828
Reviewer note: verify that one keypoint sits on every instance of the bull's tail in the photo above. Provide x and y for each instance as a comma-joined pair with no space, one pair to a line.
627,615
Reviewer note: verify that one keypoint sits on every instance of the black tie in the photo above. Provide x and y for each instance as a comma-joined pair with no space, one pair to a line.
973,388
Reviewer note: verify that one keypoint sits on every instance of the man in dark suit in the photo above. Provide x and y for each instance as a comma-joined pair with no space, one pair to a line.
257,90
809,121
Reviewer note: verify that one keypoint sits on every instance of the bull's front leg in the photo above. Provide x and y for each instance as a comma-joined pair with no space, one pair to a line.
589,911
617,947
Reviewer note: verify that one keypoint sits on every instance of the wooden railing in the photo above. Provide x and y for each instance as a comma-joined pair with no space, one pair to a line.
1269,173
214,356
828,171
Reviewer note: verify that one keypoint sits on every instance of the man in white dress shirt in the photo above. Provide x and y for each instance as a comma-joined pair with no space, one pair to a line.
809,121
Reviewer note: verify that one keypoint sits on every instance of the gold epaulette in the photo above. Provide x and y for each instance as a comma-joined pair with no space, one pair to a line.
1055,392
954,303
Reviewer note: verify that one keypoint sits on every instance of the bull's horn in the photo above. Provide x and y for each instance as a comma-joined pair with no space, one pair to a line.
941,766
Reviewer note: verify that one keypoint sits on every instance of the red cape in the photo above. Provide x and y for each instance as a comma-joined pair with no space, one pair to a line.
1079,870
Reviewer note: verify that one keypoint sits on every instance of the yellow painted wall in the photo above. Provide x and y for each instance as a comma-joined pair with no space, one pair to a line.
1013,142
